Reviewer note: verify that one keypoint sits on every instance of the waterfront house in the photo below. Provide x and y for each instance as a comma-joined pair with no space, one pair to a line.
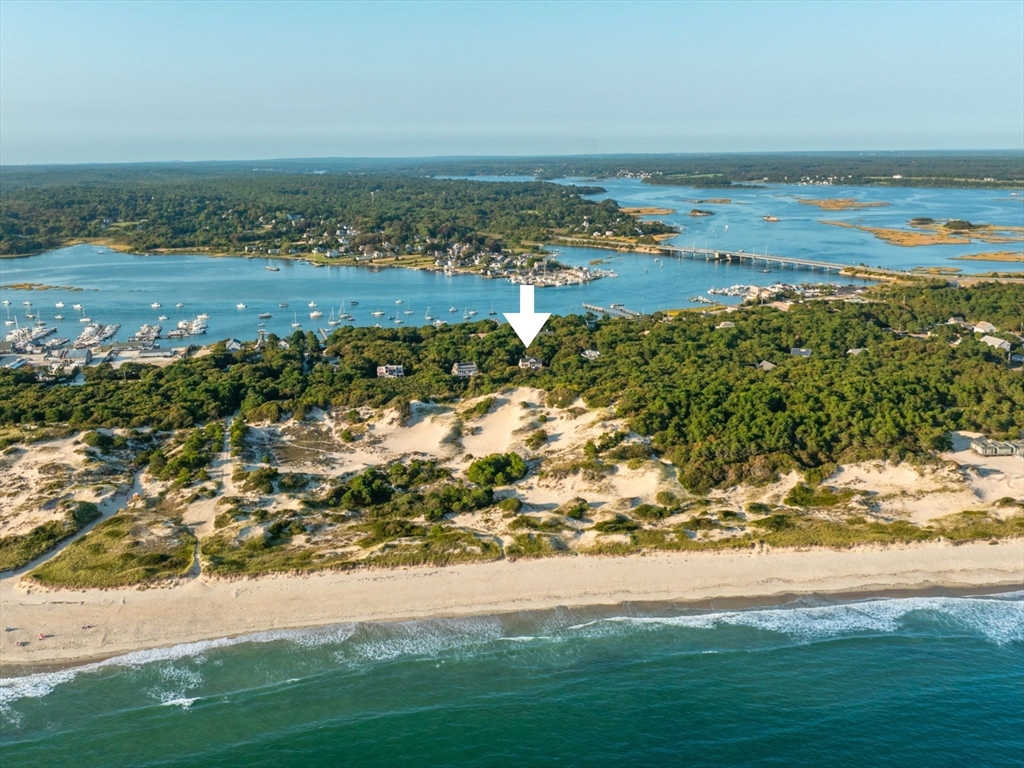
800,352
530,364
985,447
233,345
390,371
996,342
464,369
764,365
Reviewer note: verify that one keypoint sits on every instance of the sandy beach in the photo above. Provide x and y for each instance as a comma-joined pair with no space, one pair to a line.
202,608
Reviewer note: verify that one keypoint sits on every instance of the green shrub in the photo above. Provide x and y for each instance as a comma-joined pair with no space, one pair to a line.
803,495
617,524
497,469
575,509
511,504
651,512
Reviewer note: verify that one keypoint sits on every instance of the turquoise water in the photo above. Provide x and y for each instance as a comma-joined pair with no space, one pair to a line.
120,288
918,681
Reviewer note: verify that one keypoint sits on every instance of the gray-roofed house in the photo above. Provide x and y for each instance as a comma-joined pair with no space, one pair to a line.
984,327
856,350
530,364
800,352
764,365
998,343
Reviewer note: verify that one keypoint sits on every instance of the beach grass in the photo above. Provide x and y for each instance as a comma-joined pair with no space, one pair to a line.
120,552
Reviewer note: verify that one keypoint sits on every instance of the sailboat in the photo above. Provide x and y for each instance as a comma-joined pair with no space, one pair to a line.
427,316
492,312
295,322
377,312
331,320
8,322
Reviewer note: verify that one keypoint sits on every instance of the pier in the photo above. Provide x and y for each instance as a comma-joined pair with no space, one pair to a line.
615,310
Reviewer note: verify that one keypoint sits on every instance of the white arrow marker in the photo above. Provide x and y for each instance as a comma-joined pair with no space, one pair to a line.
526,323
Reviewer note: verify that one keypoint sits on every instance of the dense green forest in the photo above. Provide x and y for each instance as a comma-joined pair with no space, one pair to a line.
149,208
694,389
399,205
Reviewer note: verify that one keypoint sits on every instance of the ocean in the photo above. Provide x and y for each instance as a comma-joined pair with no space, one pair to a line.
885,681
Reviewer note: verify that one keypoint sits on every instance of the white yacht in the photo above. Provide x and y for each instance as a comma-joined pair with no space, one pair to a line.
76,306
312,304
453,309
58,317
156,305
239,305
316,313
59,305
203,316
179,305
398,301
162,318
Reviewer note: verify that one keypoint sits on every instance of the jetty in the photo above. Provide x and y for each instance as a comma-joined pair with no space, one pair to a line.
615,310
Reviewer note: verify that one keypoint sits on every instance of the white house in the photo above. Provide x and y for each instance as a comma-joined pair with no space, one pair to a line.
390,371
764,365
530,364
590,354
464,369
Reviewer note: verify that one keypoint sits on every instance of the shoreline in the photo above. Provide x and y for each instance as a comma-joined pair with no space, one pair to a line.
204,609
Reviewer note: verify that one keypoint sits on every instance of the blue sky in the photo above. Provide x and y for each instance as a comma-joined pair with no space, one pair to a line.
100,82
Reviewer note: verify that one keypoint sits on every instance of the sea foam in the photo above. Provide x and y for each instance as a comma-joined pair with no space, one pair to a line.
995,618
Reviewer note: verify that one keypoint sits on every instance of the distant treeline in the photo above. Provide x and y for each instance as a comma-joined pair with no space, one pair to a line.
694,389
920,169
226,208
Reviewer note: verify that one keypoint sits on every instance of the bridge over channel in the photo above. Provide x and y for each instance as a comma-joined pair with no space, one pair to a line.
753,259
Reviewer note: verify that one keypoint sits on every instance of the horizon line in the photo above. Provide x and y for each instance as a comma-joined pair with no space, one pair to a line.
556,156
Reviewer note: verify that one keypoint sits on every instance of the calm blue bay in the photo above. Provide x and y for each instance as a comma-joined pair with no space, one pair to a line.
120,288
